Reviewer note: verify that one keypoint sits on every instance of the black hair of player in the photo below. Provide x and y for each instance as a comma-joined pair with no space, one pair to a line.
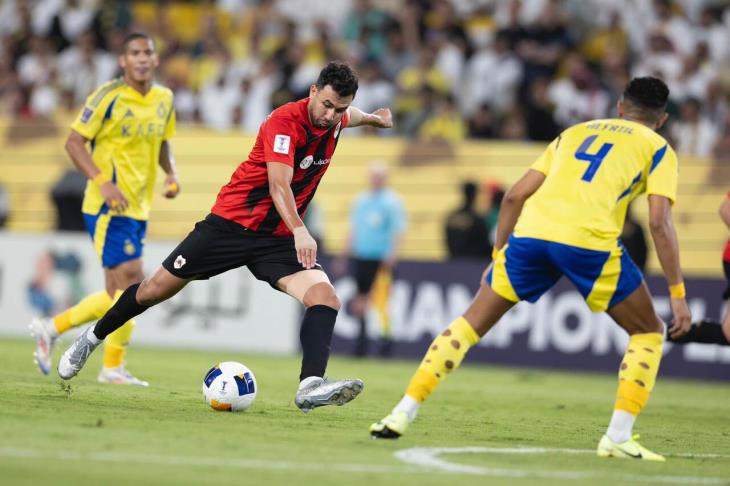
340,77
134,36
647,97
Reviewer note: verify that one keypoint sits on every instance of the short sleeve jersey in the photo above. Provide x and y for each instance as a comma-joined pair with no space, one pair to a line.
287,137
126,130
593,171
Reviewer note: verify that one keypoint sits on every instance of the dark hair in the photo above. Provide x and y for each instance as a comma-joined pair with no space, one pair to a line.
340,76
647,95
134,36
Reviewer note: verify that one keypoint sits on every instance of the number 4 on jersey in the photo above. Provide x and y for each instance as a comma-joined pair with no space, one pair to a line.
594,160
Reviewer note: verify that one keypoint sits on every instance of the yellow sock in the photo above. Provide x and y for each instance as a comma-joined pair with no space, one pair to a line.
115,345
90,308
380,296
443,356
638,371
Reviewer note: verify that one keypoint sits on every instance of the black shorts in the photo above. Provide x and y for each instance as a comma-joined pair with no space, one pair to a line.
364,271
217,245
726,269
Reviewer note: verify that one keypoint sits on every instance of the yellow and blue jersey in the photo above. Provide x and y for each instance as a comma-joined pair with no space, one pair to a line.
593,171
126,130
571,225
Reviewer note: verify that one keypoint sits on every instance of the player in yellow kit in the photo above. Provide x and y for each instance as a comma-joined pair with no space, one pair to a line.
127,123
564,217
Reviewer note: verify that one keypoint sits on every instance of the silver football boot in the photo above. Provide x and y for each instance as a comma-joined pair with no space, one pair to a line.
74,358
322,392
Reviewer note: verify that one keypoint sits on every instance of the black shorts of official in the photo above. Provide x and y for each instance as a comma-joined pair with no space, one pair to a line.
217,245
364,270
726,269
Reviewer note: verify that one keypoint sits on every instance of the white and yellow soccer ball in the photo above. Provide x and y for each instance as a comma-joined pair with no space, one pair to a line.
230,386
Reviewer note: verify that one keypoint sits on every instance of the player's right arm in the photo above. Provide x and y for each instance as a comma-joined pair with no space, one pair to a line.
512,204
280,139
280,176
86,127
76,148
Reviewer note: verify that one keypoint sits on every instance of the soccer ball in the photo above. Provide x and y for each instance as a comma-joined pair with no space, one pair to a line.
230,386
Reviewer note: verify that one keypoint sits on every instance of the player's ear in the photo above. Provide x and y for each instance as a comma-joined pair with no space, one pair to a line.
620,108
312,90
121,61
661,120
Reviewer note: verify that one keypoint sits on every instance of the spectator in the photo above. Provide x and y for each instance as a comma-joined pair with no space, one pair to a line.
445,124
695,134
465,231
482,123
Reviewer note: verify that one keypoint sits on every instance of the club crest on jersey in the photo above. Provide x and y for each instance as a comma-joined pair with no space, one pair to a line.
161,110
306,162
179,262
281,144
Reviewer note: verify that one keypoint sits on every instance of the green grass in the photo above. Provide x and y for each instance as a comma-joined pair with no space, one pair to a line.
166,434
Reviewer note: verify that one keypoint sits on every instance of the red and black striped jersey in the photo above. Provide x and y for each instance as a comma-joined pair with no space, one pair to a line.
288,137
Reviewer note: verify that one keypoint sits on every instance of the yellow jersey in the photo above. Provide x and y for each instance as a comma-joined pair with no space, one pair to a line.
126,130
593,171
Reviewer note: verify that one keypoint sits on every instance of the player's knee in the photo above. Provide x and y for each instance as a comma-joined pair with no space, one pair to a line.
131,277
322,294
150,292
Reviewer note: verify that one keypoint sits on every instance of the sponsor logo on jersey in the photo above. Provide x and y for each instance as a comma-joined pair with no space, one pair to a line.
309,161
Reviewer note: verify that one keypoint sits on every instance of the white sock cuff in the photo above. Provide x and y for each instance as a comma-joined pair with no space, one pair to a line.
91,336
621,426
308,380
409,405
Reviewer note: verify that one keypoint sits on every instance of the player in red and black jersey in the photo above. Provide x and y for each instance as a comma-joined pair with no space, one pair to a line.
256,221
708,331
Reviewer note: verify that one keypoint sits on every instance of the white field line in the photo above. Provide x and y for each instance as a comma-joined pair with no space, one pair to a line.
418,461
428,457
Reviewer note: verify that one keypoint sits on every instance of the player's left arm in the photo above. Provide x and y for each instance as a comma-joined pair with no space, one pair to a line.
380,118
167,162
512,204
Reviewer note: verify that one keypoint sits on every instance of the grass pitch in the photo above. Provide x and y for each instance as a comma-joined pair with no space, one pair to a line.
522,427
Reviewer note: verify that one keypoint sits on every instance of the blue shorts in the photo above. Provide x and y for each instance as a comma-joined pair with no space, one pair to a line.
526,268
117,239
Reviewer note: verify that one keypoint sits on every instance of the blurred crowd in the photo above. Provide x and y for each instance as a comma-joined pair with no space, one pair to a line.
450,69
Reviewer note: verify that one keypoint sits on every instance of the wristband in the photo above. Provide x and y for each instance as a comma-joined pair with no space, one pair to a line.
100,179
677,291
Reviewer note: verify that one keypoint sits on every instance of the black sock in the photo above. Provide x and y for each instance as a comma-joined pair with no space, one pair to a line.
705,331
361,348
315,336
123,310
